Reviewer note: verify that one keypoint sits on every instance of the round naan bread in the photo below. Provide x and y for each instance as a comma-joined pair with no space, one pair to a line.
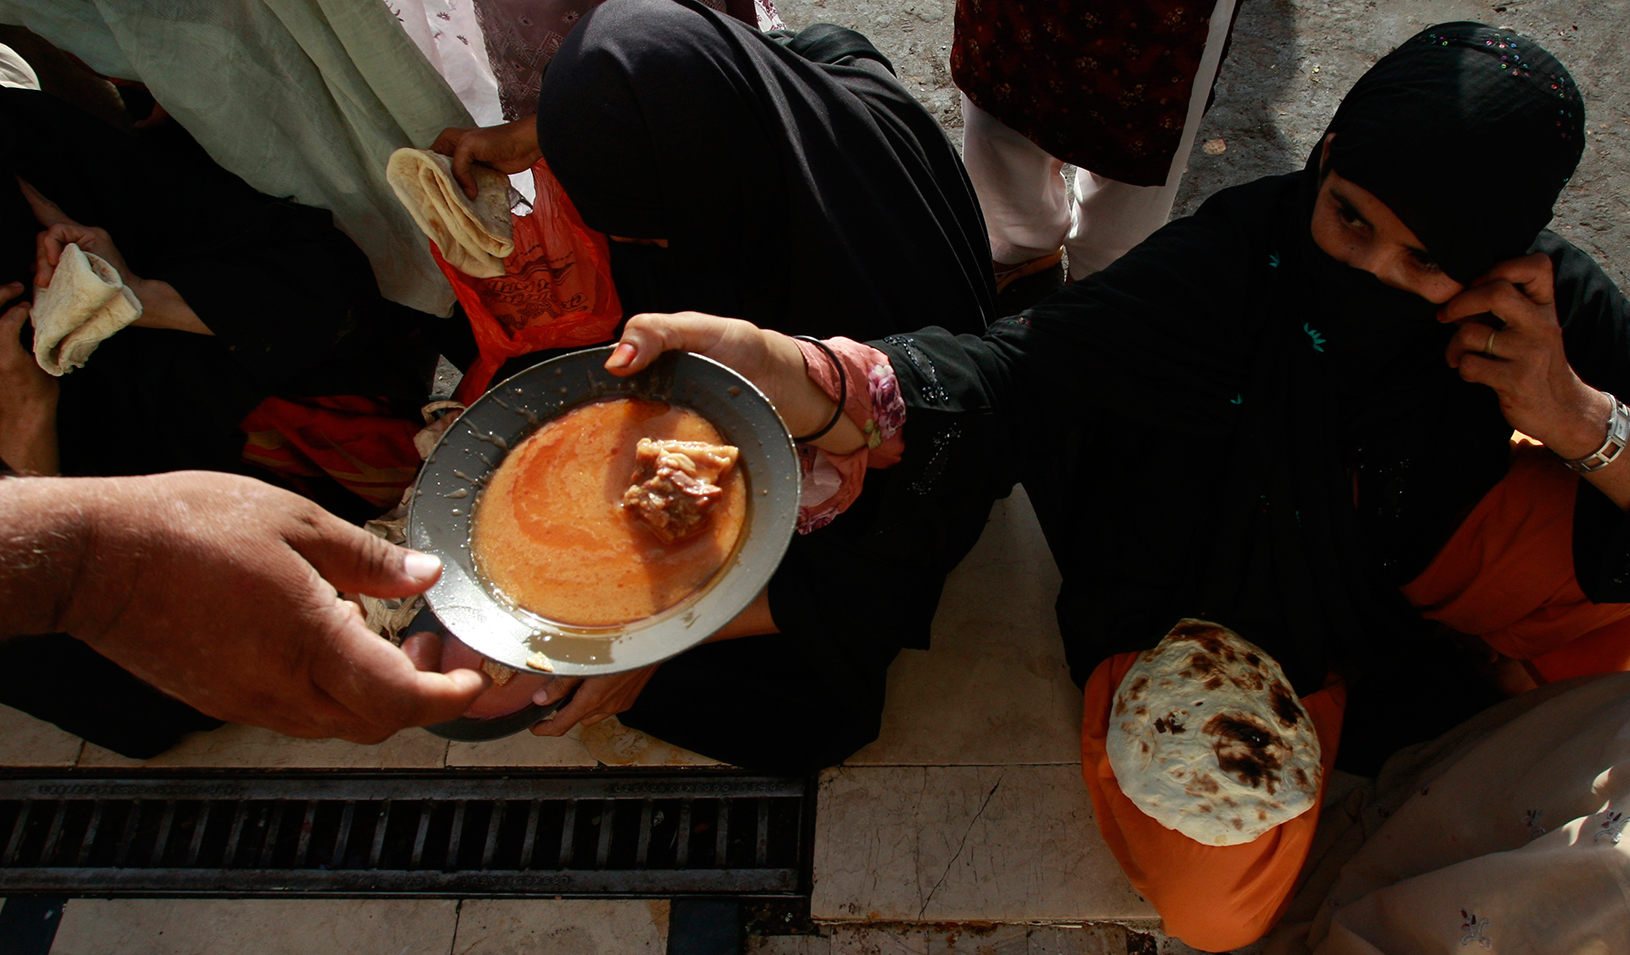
1207,737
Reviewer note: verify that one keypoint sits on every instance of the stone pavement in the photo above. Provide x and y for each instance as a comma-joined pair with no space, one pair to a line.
964,829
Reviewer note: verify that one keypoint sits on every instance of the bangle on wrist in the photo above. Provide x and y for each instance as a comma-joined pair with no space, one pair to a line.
1618,436
843,389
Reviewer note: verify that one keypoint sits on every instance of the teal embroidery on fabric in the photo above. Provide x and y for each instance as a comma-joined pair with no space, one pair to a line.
1313,333
1273,260
1237,400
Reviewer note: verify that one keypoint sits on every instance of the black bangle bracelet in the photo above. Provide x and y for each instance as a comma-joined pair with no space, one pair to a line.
843,389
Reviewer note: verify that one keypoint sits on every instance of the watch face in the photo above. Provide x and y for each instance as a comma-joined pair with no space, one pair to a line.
1618,428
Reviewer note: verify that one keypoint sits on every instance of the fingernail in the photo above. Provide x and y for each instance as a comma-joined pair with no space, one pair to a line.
540,696
621,356
421,566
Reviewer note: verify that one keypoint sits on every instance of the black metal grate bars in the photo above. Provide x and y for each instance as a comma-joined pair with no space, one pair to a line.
392,834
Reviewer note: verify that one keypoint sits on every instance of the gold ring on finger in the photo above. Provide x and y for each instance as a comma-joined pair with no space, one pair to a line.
1488,349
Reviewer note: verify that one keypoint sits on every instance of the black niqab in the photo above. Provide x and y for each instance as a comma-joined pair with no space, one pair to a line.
1468,134
805,196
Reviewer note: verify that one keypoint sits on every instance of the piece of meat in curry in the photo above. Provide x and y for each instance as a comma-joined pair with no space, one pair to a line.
675,484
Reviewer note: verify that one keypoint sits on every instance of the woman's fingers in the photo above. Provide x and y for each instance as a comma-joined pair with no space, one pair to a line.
597,698
455,142
46,212
8,292
423,649
554,688
770,360
584,702
464,155
1498,373
510,148
650,334
459,143
447,141
1472,338
28,396
1533,274
14,358
1510,340
1499,298
1516,291
47,253
49,245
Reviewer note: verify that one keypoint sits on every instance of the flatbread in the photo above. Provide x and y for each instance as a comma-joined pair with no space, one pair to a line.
1207,737
86,302
474,236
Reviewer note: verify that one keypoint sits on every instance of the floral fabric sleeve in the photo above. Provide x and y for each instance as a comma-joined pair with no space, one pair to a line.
833,481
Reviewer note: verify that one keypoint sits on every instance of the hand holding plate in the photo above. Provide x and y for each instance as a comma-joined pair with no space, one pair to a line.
221,591
768,359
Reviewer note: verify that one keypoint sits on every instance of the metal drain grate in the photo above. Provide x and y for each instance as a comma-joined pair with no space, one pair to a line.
392,834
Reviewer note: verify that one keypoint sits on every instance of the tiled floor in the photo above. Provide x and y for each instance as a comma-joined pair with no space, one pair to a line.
306,927
26,741
610,927
607,743
970,806
315,927
963,843
949,939
994,688
235,746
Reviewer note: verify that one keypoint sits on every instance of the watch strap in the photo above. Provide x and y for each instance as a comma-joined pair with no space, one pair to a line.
1618,436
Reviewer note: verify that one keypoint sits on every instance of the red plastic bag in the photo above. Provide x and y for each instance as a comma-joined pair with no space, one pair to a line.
556,291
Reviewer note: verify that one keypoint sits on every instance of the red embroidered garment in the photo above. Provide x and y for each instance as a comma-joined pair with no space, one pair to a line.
1099,84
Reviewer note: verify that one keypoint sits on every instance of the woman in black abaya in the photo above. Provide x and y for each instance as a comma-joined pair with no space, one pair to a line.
792,181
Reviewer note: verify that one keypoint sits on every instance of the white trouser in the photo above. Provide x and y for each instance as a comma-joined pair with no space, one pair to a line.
1026,201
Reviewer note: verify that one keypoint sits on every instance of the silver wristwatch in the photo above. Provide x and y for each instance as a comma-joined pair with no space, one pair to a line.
1618,435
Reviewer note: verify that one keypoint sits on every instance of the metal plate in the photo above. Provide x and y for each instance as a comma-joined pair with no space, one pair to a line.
449,487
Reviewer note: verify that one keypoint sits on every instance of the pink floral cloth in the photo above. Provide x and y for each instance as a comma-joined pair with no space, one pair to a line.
833,481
